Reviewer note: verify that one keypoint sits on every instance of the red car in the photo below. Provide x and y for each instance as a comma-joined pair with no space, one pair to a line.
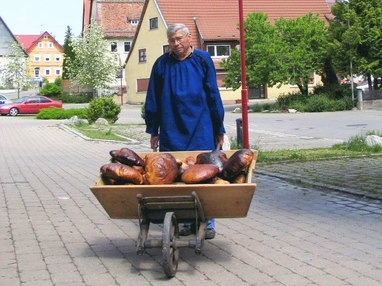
29,105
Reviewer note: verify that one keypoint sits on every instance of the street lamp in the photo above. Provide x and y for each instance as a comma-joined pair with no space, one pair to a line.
351,61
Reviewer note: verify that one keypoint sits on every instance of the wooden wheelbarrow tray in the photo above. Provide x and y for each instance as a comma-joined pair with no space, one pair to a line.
173,204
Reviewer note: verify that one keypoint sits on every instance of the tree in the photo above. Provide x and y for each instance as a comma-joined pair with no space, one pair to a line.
262,54
92,65
15,71
304,40
68,52
288,52
357,38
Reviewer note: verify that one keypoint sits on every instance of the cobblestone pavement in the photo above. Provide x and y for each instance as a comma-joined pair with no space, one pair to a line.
359,176
54,231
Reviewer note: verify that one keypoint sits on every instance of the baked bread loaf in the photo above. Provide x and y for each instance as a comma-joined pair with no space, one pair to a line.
120,172
127,156
160,169
215,157
240,160
199,173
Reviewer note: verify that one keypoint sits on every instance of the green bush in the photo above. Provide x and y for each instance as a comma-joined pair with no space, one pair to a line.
318,103
143,111
60,113
50,89
103,107
58,81
285,101
74,98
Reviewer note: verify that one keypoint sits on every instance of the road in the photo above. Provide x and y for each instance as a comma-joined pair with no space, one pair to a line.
271,131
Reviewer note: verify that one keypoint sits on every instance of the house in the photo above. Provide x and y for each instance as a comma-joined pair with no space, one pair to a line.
6,40
119,21
45,55
214,27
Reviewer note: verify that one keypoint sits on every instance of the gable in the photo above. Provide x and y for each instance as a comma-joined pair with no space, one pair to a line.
6,39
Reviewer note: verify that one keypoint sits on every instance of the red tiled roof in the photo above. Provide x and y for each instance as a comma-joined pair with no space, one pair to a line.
218,19
27,40
114,16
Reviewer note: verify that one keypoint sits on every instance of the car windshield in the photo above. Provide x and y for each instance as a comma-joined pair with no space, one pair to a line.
20,100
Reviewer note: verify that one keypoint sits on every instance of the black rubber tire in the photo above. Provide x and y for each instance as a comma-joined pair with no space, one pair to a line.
13,111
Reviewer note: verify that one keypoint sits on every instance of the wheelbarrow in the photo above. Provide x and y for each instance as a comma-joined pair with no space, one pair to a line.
173,204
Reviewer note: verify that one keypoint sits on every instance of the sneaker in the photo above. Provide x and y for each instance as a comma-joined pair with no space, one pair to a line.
210,234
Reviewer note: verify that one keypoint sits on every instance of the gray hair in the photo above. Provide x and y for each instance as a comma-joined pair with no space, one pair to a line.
175,27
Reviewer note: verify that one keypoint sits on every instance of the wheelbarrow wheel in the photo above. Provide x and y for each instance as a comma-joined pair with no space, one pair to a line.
170,254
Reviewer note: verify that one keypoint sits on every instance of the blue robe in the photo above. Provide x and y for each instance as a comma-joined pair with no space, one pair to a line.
183,103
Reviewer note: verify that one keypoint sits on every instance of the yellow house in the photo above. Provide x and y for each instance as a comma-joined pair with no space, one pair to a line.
45,56
214,28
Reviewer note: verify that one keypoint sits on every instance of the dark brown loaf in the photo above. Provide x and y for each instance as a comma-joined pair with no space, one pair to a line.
117,171
127,156
199,173
215,157
161,169
237,163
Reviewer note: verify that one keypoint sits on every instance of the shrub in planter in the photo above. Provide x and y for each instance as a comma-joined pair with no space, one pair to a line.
103,107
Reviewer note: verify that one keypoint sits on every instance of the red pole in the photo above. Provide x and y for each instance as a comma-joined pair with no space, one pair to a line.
244,91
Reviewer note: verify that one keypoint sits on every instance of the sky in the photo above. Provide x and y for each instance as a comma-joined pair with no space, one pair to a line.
25,17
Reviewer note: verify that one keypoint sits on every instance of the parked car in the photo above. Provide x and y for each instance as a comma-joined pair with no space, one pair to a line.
29,105
4,99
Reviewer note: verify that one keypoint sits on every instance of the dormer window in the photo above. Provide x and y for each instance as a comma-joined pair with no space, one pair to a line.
219,50
134,22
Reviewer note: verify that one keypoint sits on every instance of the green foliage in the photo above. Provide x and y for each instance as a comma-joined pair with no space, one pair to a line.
50,89
60,113
15,72
356,37
358,144
68,53
92,65
287,52
58,81
143,111
103,108
74,98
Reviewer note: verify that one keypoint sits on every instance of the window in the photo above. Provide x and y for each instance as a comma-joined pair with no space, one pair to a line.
153,23
50,45
166,48
37,72
134,22
40,45
119,74
36,58
113,47
126,47
47,72
44,100
219,50
142,55
57,71
142,84
57,58
47,57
